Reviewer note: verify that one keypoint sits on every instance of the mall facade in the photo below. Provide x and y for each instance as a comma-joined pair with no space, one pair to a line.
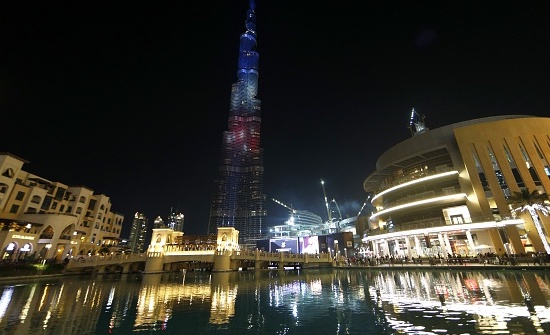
447,191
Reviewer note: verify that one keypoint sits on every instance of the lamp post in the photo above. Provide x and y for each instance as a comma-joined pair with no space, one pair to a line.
47,246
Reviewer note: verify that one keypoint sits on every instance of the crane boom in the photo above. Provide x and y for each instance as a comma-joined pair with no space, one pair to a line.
326,200
338,209
292,210
364,204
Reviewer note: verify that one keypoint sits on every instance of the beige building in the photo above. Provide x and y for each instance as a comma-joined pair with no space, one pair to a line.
44,219
446,191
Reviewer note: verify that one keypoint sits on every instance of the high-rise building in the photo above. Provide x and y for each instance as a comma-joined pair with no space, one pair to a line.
158,223
136,242
238,200
175,220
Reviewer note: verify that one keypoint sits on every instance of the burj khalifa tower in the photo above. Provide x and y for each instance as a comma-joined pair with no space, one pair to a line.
238,200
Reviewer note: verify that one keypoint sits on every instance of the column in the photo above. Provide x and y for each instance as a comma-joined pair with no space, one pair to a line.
442,247
447,244
408,244
418,246
375,248
471,246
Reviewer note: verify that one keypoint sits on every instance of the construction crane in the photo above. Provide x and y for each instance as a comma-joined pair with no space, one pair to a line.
337,209
292,210
326,201
332,220
364,204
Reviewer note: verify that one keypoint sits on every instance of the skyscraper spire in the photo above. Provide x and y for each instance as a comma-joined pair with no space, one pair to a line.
238,200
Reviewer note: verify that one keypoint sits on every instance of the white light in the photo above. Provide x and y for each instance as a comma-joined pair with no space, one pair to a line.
439,175
417,203
446,228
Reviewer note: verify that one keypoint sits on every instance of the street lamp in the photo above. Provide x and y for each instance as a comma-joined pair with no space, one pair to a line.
47,246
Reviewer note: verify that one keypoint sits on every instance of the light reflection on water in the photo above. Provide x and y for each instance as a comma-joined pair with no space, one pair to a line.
340,301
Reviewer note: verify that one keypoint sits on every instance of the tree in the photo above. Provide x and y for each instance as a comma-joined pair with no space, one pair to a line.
532,201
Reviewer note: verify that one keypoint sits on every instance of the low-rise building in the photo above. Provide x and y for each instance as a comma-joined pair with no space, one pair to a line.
43,219
447,191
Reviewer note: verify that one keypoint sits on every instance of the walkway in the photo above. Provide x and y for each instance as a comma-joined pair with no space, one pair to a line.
524,263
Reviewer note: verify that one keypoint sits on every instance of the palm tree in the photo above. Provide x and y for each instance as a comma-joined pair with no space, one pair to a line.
532,201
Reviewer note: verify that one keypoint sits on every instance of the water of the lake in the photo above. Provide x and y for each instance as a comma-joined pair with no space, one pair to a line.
322,301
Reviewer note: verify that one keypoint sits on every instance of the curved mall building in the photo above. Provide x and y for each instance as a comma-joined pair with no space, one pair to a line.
446,191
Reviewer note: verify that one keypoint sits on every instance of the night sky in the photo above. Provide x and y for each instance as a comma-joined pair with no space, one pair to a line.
130,99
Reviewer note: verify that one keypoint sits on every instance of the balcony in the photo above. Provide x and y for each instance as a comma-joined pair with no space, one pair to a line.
414,176
422,200
420,224
424,176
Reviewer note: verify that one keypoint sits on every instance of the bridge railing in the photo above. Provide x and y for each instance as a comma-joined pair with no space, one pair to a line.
285,255
99,260
107,258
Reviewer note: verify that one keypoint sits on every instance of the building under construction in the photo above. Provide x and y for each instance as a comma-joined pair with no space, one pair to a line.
306,232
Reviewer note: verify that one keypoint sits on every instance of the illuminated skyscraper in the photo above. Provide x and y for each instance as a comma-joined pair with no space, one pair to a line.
136,241
238,200
175,220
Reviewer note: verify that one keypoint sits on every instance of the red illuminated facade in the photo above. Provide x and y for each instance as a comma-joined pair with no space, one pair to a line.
238,200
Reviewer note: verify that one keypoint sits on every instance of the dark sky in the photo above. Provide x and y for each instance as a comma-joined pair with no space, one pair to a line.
131,98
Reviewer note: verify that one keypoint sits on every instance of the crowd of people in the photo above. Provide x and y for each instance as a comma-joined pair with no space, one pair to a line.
541,258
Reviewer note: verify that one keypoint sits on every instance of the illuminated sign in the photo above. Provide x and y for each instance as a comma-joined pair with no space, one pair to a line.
284,245
23,237
309,245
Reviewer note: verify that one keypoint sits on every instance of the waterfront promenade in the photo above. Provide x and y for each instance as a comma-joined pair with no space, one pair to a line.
464,266
521,264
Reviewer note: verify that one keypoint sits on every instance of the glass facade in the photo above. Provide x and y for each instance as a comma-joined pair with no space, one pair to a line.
136,240
238,200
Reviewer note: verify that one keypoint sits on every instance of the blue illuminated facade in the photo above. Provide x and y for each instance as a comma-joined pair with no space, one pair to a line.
238,200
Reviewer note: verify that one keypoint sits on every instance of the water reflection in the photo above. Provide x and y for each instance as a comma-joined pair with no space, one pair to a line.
282,302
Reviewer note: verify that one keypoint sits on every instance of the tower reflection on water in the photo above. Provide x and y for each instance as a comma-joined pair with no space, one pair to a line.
348,301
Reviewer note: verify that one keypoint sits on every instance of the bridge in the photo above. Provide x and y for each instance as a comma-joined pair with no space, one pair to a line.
164,254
